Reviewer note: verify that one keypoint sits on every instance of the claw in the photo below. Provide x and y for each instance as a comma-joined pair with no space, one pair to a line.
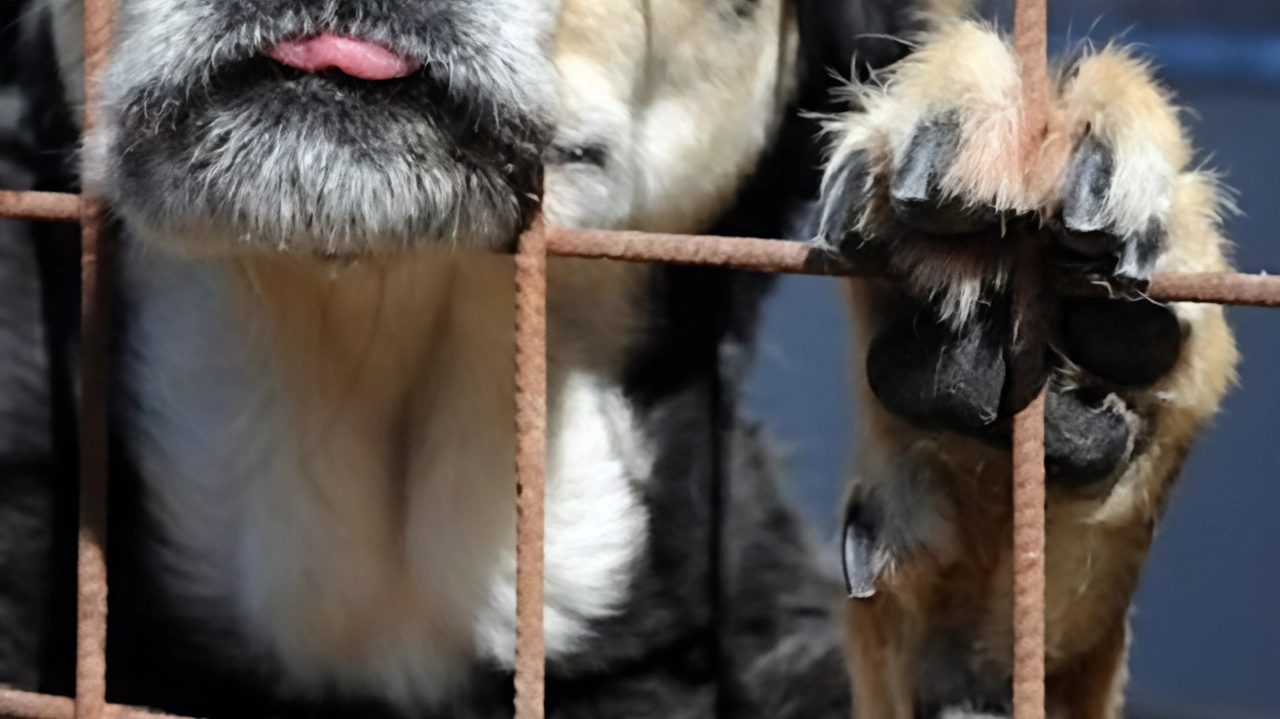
916,192
862,563
844,196
1084,201
1087,185
1140,254
1087,228
917,179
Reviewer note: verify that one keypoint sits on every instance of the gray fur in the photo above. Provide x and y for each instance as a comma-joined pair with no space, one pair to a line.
207,147
205,139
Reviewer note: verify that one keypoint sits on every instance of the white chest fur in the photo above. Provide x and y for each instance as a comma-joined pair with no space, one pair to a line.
332,457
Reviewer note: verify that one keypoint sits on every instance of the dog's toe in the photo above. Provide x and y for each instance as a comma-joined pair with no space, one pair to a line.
923,370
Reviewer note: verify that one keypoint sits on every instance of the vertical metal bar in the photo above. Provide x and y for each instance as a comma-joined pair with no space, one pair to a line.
531,447
91,614
1028,561
1030,43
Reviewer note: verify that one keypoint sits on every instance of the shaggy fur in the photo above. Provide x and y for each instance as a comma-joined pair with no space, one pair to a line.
928,174
311,507
312,511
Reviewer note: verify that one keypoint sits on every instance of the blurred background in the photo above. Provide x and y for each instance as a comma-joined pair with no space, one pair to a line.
1207,617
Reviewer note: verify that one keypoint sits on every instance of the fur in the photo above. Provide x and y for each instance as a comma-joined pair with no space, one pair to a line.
312,514
928,175
311,508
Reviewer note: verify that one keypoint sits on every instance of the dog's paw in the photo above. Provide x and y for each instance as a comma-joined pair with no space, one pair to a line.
941,378
931,178
931,175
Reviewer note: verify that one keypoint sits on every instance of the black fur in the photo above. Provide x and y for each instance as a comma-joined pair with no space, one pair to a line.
38,306
729,615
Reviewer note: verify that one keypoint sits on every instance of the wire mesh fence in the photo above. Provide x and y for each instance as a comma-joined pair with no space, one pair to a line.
534,247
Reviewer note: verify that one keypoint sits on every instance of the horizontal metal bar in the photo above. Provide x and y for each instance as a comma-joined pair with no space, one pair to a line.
42,206
740,253
30,705
1227,288
1223,288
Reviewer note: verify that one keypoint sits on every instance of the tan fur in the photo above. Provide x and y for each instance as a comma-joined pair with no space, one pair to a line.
685,94
374,421
1096,547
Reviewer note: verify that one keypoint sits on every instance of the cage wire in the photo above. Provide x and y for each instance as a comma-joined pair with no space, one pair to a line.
535,245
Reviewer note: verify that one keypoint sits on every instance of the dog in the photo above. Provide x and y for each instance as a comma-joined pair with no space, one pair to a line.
928,176
312,508
312,496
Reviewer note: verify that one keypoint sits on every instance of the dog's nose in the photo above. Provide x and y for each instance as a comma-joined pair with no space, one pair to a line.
357,58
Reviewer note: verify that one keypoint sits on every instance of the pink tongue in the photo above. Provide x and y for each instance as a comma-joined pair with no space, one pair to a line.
356,58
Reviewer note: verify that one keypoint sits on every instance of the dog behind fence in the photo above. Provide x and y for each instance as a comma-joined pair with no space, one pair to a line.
535,246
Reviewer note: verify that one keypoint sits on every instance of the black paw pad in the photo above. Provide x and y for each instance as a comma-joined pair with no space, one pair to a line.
916,191
1127,342
922,370
1084,442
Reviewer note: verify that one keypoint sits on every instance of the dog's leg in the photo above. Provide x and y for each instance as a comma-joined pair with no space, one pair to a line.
929,177
1092,685
877,658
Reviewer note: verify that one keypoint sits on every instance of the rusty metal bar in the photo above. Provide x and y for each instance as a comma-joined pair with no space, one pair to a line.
531,450
534,247
44,206
745,253
91,605
1028,565
29,705
1028,561
1222,288
95,259
739,253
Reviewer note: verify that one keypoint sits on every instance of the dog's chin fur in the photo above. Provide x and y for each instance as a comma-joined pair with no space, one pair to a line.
215,148
321,459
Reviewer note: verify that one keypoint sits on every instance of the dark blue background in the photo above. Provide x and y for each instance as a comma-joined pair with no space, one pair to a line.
1207,617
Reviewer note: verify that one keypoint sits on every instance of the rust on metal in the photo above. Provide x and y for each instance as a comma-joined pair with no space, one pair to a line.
29,705
91,612
43,206
1028,561
745,253
1030,42
95,272
531,450
739,253
1222,288
1031,45
535,245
